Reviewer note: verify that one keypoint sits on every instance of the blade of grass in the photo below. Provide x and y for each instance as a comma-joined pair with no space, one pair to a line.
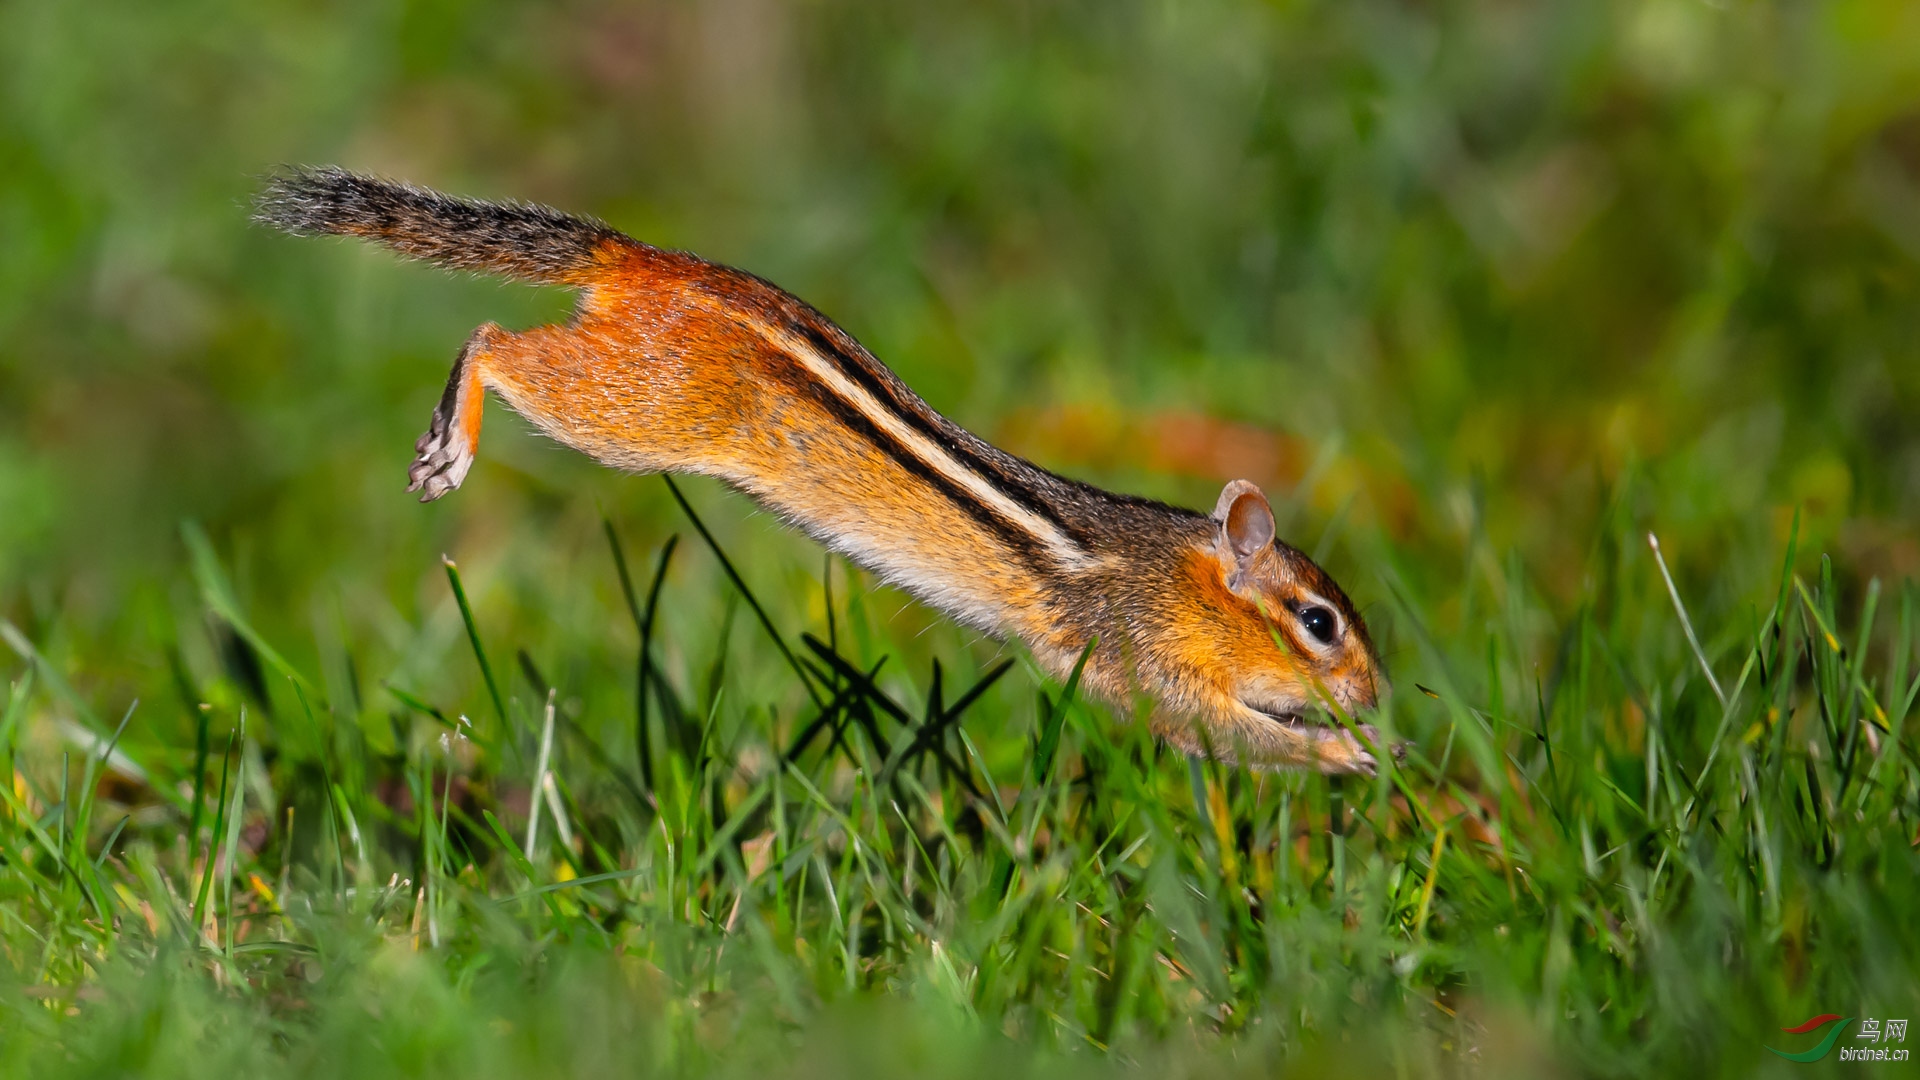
539,779
1855,685
479,651
218,594
219,820
1433,877
25,648
90,774
1686,624
203,720
1054,715
739,583
234,816
643,621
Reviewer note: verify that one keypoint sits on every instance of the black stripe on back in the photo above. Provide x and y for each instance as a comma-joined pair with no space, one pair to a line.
1012,535
1008,483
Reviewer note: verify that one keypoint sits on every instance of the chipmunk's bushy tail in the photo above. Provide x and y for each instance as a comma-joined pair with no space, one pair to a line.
516,239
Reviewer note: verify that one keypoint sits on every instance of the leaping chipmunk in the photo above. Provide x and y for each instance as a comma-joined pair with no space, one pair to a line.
675,364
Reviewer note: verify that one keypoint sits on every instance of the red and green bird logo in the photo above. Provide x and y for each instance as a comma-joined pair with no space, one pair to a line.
1825,1045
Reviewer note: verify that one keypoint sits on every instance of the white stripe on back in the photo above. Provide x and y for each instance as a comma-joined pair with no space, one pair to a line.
930,453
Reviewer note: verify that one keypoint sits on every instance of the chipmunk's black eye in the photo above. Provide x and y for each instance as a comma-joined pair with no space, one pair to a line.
1320,623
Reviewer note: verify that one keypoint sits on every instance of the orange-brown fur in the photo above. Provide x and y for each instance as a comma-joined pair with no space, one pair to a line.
672,363
659,371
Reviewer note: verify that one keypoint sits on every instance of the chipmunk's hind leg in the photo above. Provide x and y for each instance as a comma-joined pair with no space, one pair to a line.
445,453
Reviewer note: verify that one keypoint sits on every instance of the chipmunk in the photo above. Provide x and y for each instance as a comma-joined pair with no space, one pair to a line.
675,364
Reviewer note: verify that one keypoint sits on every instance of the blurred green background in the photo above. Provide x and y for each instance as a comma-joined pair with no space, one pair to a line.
1430,268
1480,291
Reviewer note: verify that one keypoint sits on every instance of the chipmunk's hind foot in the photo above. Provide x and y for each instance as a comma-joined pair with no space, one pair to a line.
445,453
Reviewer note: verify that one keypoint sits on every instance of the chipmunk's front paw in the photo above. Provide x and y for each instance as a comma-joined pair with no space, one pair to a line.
1349,758
1350,755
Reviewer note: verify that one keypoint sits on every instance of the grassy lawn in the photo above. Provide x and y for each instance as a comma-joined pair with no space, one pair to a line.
580,774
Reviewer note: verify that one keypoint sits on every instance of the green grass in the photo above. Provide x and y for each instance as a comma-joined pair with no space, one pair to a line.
1482,294
1619,858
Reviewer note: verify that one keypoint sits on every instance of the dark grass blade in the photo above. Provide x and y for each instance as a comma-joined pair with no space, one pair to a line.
862,682
830,718
930,736
733,575
217,591
419,706
648,670
868,695
643,621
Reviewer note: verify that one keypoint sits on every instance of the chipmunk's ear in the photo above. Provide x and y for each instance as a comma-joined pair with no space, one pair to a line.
1246,521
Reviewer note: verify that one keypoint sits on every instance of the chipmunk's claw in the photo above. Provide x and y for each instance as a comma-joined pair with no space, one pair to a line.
1357,760
1360,764
1366,763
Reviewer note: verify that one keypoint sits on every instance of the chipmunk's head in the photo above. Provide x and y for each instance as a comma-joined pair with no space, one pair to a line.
1283,644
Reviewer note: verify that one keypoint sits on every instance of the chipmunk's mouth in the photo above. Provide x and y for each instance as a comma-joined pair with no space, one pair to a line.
1291,719
1318,725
